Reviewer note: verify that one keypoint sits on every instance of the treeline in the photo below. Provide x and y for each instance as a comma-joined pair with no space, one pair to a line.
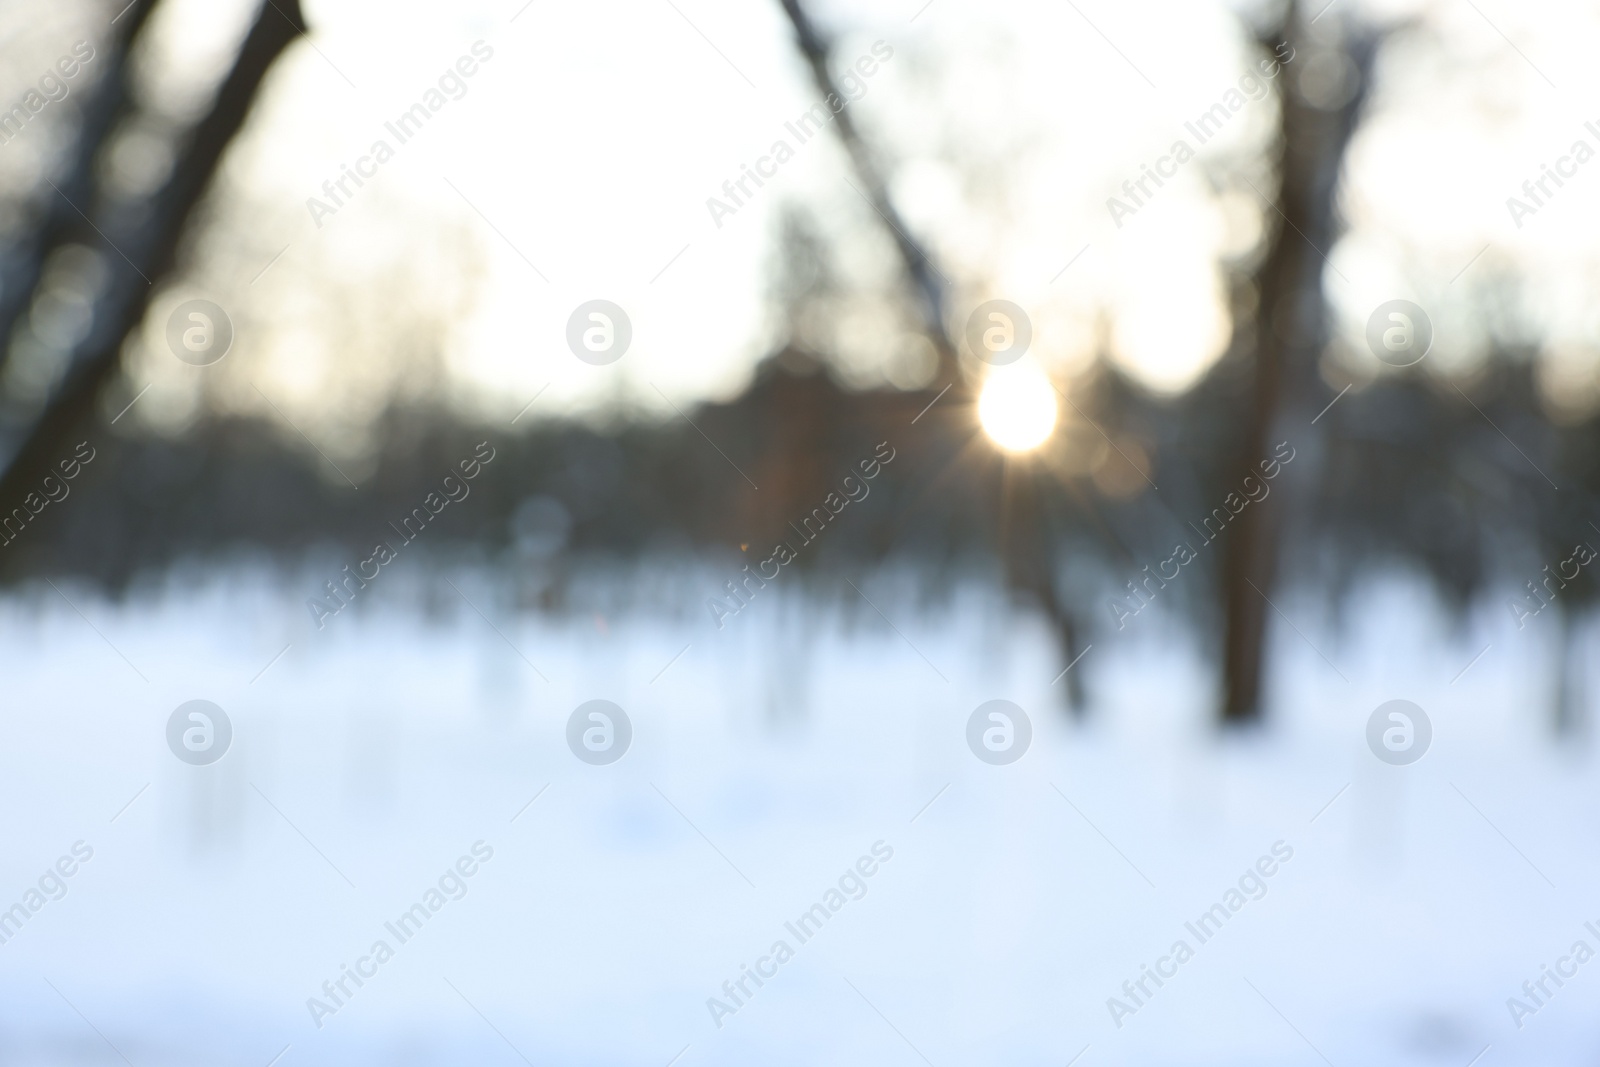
1405,472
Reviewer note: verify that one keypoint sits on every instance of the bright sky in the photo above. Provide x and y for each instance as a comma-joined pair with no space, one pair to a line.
578,164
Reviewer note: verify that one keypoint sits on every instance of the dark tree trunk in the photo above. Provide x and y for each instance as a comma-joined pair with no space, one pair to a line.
1290,332
108,102
1569,694
145,240
1025,548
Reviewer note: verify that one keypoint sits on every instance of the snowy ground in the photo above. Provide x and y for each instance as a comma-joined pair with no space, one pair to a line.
766,760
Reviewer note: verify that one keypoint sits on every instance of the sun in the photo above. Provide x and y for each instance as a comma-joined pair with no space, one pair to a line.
1018,407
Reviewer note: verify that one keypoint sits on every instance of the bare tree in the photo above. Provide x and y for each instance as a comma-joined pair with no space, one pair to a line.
929,284
22,261
1027,550
1290,327
143,239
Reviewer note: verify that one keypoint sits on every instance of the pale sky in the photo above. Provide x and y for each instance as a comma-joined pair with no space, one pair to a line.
585,149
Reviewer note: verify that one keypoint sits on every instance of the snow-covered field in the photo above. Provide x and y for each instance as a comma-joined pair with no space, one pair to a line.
767,760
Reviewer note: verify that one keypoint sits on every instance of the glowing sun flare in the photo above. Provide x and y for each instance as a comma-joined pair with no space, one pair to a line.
1018,408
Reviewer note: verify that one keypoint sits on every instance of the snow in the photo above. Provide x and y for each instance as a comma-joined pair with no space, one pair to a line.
766,759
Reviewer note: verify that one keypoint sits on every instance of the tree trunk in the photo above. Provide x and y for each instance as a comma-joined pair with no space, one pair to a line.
1569,717
108,102
146,240
1290,332
1025,550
